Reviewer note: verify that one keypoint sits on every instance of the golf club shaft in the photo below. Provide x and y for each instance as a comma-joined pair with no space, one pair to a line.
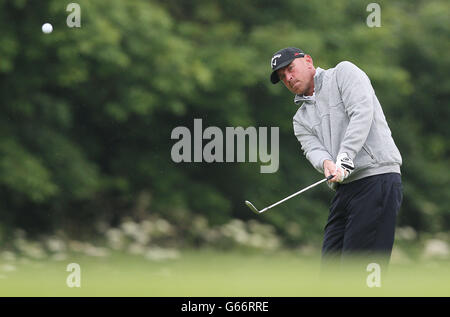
297,193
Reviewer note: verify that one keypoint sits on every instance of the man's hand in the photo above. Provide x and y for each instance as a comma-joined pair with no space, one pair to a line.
330,168
344,162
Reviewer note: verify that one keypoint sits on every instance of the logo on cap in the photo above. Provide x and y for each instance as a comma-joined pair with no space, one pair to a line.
273,62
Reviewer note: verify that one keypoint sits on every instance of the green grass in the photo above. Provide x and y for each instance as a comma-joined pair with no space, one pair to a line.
216,273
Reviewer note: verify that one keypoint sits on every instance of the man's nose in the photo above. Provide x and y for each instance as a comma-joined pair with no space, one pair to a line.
288,76
290,79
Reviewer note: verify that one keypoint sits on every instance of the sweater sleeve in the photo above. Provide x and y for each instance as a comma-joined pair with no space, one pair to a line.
312,148
357,95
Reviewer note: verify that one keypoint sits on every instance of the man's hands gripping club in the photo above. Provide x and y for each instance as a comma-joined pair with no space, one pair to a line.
342,169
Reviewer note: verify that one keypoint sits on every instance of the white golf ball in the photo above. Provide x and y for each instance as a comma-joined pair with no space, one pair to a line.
47,28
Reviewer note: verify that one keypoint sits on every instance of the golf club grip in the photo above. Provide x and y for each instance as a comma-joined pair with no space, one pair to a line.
330,177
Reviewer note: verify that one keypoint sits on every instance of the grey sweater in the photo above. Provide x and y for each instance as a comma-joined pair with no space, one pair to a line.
345,116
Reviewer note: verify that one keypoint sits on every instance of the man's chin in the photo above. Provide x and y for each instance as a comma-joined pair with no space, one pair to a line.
298,91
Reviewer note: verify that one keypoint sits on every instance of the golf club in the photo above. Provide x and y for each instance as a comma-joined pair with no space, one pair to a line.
255,210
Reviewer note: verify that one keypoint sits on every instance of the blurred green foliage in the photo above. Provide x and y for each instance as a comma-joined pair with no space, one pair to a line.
87,113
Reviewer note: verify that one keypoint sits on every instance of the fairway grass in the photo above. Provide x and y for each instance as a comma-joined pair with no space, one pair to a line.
217,273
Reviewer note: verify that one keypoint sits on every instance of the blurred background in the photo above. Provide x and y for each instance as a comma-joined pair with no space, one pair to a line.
87,115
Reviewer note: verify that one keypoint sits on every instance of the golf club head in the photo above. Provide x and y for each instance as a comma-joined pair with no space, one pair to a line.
253,208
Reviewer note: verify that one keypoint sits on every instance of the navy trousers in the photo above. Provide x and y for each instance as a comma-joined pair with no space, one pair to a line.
362,218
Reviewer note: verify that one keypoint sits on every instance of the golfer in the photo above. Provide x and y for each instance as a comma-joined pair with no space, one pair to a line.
343,132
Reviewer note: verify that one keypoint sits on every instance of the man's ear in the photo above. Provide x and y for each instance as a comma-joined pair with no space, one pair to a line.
309,59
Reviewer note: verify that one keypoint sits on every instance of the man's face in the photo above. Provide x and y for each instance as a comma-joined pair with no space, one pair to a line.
298,76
